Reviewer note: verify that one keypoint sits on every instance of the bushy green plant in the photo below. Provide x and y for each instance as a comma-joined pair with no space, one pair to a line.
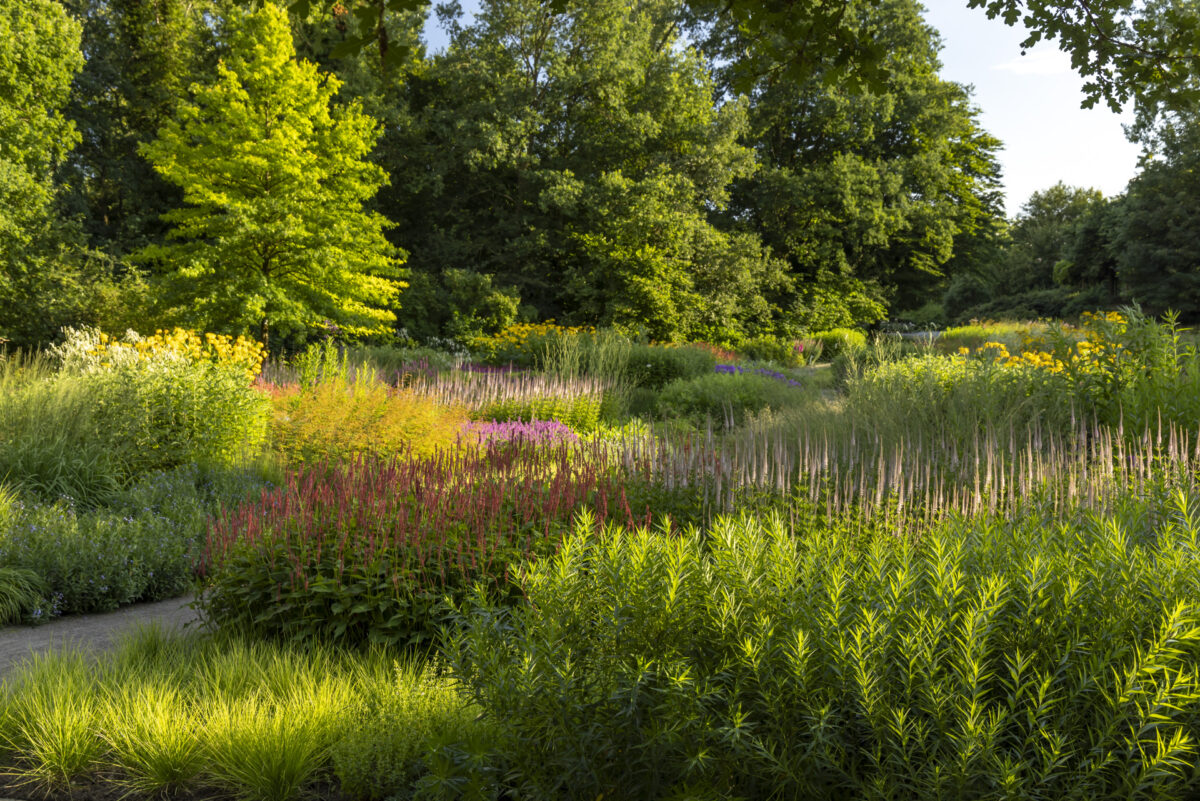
1053,660
141,548
369,552
778,350
340,411
583,413
1120,368
655,366
855,360
725,397
957,398
1011,334
97,425
836,341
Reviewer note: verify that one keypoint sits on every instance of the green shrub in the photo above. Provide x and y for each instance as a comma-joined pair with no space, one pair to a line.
836,341
583,413
767,348
370,552
85,432
1011,334
725,397
957,398
142,548
1051,660
655,366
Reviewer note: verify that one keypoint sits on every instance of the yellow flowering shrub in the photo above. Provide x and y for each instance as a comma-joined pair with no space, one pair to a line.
521,343
173,398
1116,365
243,353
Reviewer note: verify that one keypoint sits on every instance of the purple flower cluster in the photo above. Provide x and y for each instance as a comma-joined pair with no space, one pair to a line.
541,432
733,369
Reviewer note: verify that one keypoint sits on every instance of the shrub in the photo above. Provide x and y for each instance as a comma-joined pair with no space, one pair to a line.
765,348
836,341
1119,368
142,548
729,397
582,413
521,344
116,412
405,727
655,366
1012,335
339,421
1050,660
957,398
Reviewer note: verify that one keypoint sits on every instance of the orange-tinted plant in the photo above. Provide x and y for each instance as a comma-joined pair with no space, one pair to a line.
338,421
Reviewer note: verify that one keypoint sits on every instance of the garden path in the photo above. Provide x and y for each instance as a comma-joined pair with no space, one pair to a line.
89,632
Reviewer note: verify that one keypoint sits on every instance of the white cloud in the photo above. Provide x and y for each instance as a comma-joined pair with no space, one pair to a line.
1038,62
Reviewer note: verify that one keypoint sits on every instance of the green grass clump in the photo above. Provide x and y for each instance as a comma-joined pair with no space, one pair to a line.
1023,659
151,733
50,716
172,714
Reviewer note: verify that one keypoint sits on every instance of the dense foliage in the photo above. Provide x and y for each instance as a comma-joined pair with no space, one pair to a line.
274,179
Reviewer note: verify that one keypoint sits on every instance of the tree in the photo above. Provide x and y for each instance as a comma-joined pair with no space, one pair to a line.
575,158
1148,49
275,233
1158,262
1044,233
39,54
140,58
867,195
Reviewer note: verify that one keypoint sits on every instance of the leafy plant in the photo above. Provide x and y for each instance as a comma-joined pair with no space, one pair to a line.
371,550
655,366
728,397
836,341
1053,659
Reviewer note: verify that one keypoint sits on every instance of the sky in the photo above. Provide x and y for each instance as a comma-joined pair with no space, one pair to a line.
1030,103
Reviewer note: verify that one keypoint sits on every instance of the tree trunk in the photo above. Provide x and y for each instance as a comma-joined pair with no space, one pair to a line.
266,336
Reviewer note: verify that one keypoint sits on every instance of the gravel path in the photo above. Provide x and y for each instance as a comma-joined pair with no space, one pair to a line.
93,632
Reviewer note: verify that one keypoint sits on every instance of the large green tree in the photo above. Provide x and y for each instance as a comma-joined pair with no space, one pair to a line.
141,56
39,54
1143,49
1158,259
274,234
869,194
574,159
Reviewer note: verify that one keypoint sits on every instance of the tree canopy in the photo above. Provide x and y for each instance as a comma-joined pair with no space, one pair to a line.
39,55
274,231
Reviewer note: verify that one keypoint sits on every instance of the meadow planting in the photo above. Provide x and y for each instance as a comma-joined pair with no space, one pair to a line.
559,563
